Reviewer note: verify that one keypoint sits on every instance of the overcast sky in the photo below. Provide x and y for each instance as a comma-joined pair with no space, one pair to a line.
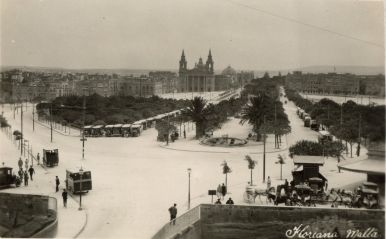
247,34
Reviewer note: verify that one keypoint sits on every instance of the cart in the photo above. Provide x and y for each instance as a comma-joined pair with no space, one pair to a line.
78,181
50,157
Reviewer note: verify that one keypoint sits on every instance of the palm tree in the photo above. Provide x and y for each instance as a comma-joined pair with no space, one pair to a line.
251,165
254,112
225,170
196,112
281,162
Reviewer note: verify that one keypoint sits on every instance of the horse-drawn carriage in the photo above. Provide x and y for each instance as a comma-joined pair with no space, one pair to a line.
50,157
7,178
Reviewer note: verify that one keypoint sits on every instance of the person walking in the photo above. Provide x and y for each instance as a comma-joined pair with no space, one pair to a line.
64,196
219,191
25,178
269,182
38,158
223,190
230,201
173,214
26,163
184,134
57,183
20,163
31,171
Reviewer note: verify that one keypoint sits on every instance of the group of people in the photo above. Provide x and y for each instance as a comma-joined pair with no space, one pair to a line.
27,173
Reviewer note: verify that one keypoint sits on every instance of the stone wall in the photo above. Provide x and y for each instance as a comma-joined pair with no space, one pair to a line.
223,221
252,222
24,215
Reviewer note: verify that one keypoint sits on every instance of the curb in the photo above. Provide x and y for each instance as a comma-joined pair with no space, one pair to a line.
217,152
85,222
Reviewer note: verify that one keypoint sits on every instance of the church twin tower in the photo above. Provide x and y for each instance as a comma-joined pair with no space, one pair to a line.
198,79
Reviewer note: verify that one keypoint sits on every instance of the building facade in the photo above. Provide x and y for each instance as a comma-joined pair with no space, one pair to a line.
201,78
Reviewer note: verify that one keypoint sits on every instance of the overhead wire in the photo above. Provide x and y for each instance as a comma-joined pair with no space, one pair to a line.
306,24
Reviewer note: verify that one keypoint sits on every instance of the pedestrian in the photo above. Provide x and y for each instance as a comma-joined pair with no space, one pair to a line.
184,134
326,186
230,201
223,190
25,178
286,186
20,163
31,171
38,158
57,183
218,201
21,173
173,214
219,191
64,195
26,163
268,183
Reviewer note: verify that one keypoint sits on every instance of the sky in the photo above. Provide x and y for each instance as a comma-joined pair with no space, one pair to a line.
150,34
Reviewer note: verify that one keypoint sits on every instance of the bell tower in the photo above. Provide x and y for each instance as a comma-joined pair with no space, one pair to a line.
183,63
209,62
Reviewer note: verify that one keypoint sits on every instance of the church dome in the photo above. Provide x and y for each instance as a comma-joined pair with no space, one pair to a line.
229,71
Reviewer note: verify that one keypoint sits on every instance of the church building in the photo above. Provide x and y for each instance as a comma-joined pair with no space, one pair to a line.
201,78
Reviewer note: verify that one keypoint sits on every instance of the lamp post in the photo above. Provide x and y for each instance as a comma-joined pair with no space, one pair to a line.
51,120
33,117
80,188
21,129
189,171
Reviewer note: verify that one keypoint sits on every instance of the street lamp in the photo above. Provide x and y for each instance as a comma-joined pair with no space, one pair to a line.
80,189
189,171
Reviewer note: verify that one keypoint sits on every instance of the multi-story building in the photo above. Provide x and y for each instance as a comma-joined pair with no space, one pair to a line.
168,80
336,84
141,86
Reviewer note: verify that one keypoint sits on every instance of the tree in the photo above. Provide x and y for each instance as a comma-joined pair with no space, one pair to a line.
197,112
254,112
225,170
251,165
281,162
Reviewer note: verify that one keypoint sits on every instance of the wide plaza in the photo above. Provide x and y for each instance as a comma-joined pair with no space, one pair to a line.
136,179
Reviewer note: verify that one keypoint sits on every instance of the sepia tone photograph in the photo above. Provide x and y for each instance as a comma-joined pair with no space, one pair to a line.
204,119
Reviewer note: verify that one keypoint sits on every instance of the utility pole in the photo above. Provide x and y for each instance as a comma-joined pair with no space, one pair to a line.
51,120
264,136
84,119
21,129
33,117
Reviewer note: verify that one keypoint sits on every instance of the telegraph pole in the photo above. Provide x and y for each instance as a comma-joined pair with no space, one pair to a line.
21,128
84,119
33,117
264,136
51,120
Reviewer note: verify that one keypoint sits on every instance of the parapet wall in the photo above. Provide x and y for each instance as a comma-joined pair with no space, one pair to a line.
252,222
223,221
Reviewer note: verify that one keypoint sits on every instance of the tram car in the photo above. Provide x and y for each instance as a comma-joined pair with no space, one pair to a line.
87,130
136,130
117,130
325,136
97,131
7,179
314,125
50,157
109,130
126,130
78,181
307,121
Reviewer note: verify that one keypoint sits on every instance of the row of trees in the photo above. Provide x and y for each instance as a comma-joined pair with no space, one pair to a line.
208,116
348,121
107,110
265,111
